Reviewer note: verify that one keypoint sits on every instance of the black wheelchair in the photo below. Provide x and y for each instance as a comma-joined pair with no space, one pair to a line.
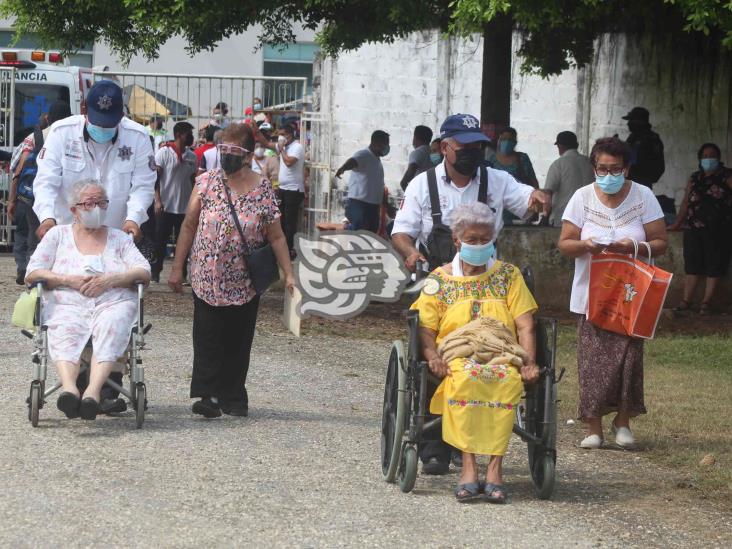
406,408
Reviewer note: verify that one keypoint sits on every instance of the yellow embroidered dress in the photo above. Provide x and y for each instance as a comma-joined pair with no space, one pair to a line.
477,402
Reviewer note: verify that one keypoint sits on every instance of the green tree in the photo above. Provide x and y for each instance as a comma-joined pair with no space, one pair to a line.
557,33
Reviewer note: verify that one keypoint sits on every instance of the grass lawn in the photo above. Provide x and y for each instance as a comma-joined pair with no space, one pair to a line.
688,395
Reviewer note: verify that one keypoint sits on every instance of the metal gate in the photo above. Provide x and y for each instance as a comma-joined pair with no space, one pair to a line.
192,97
315,135
7,131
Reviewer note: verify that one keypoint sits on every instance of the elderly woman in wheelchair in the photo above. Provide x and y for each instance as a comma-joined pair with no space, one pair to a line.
90,269
476,330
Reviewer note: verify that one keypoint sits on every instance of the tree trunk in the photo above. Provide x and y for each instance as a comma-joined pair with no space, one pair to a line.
495,103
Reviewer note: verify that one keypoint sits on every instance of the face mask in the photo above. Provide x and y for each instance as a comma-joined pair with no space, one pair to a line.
385,151
476,254
467,160
218,116
92,219
709,164
99,134
435,158
635,127
282,141
257,106
506,146
231,163
259,152
610,184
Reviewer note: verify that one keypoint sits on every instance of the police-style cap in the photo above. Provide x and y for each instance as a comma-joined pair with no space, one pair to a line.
638,114
104,104
463,128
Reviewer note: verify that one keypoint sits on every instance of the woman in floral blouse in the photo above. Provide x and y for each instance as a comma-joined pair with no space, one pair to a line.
225,302
706,212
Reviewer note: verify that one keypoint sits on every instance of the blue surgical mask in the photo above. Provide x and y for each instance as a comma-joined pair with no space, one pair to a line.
99,134
506,146
476,254
610,184
435,158
385,151
257,106
709,164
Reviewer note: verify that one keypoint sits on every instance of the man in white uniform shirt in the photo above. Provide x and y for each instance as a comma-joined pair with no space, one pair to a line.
292,181
458,181
176,165
100,145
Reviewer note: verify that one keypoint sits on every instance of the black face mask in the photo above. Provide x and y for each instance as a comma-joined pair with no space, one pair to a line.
467,161
231,163
637,127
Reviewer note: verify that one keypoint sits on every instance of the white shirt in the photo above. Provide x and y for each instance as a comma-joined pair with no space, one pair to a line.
366,182
176,179
292,178
126,170
597,220
211,159
415,216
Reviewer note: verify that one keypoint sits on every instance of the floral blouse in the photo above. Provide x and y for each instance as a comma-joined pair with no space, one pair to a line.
217,270
710,200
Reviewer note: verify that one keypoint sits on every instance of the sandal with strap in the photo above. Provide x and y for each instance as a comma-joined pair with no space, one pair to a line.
705,309
682,307
470,491
490,489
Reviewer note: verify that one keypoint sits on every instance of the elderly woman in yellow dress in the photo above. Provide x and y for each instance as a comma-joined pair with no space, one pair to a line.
477,332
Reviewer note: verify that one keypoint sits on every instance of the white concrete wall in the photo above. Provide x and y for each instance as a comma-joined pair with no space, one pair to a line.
420,79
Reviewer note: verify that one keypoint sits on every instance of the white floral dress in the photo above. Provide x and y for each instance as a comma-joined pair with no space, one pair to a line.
73,318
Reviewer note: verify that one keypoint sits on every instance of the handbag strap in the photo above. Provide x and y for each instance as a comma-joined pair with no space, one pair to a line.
232,209
650,255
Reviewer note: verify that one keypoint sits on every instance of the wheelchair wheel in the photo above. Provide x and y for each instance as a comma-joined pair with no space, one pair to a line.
408,469
543,475
34,404
393,420
140,396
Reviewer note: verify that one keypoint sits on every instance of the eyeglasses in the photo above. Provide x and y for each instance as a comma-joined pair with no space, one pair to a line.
602,172
225,148
90,204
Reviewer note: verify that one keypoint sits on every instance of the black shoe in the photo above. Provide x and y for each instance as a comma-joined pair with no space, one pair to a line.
88,409
112,406
207,408
238,409
434,466
155,278
457,459
20,279
68,403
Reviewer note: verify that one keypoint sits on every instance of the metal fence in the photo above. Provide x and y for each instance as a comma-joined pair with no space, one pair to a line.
315,135
7,131
192,98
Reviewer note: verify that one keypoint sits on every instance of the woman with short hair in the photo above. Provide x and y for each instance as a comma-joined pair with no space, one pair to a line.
607,215
480,304
706,215
90,269
224,298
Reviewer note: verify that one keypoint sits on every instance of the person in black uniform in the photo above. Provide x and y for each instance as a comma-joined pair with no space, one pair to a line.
647,163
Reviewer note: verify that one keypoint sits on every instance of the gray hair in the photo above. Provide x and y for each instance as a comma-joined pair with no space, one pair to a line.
82,185
468,215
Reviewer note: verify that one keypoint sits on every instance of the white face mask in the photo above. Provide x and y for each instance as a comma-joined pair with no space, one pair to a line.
259,152
92,219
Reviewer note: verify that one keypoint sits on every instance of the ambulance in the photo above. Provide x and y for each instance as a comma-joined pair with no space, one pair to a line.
30,82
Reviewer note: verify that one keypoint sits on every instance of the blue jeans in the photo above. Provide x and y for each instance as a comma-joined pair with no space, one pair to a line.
362,215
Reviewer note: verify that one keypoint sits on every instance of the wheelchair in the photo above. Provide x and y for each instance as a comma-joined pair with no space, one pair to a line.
405,414
137,392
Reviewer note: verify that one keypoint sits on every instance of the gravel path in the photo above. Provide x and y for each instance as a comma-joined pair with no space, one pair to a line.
302,470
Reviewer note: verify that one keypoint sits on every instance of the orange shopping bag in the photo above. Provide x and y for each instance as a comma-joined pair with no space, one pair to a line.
626,295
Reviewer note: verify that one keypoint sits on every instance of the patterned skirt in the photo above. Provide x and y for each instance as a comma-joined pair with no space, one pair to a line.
610,372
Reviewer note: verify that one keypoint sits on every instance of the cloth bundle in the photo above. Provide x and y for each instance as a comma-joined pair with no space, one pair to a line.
485,340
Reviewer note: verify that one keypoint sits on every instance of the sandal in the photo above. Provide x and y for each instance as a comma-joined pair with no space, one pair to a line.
491,489
682,307
470,491
705,309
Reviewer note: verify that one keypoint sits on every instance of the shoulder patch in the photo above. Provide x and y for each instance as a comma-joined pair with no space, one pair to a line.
151,162
42,153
